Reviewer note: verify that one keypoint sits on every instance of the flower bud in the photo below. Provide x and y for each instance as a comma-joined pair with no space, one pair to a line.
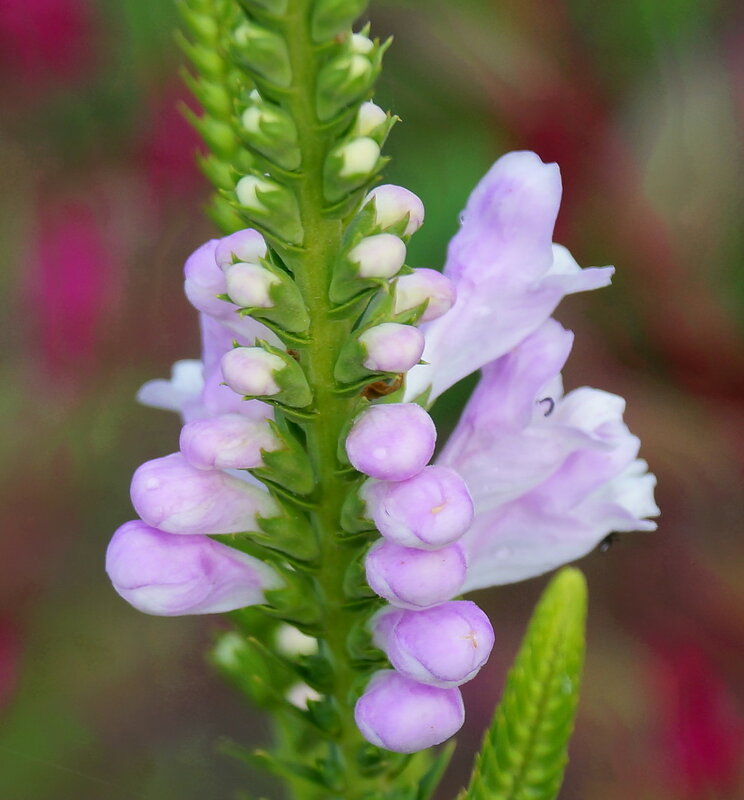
358,157
378,256
370,118
272,131
262,52
271,204
293,642
349,166
441,646
331,17
248,285
229,441
266,372
168,575
415,579
391,347
429,510
342,81
425,286
391,441
251,371
359,43
246,245
170,494
300,694
404,716
393,205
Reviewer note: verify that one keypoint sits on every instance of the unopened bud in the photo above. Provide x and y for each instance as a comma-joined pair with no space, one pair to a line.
370,118
271,204
248,285
430,510
331,17
227,441
264,52
248,190
394,204
359,43
378,256
271,131
391,441
358,157
341,82
443,646
391,347
404,716
416,579
246,245
425,286
251,371
266,372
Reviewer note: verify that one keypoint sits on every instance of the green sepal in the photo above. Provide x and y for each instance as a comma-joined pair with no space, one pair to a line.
217,135
337,186
316,671
354,516
524,752
262,53
288,466
431,778
206,60
255,671
274,135
355,580
290,534
296,603
212,97
216,171
280,767
359,642
288,311
223,215
344,81
275,7
324,715
331,17
276,210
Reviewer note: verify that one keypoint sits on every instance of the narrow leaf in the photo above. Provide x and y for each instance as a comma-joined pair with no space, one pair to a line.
524,752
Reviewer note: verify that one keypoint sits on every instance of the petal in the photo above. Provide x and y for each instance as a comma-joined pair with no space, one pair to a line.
169,575
508,276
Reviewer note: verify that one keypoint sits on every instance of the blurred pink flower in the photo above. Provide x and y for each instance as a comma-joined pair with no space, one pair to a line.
167,148
45,42
701,732
69,283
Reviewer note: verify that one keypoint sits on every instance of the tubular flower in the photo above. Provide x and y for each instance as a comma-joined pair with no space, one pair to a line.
529,480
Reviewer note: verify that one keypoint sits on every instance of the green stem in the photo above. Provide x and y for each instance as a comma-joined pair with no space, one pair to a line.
313,270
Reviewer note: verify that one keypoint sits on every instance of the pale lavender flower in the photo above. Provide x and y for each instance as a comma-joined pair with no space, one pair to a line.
415,579
171,495
508,275
425,286
168,575
249,285
403,715
227,441
429,510
391,441
550,475
392,347
442,646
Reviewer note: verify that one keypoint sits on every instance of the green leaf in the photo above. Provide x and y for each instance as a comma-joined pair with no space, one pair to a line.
524,752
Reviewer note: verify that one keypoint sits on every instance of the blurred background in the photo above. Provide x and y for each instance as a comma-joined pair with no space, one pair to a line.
641,102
